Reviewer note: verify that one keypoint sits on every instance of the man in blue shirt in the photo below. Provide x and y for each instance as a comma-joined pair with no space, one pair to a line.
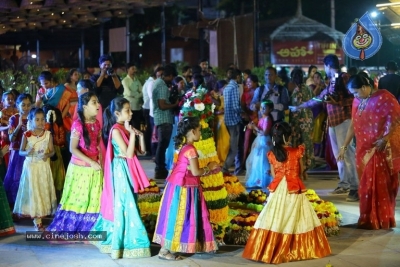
233,119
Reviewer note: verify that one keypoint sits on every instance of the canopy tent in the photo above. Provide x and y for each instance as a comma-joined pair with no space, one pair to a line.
303,41
22,15
392,12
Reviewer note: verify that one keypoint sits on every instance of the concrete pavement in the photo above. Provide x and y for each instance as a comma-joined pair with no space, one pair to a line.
353,247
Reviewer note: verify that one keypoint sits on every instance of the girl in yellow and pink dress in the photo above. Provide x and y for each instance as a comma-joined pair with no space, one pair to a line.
183,221
80,203
287,228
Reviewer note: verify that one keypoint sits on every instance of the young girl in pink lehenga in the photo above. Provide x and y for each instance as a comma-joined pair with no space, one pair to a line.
183,221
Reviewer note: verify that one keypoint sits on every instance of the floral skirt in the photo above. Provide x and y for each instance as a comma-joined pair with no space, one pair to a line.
183,224
80,203
287,229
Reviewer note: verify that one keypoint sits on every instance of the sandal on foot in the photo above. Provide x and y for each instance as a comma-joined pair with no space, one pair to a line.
40,228
168,256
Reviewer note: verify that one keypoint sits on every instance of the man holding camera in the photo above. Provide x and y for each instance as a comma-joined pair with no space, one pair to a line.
107,84
338,104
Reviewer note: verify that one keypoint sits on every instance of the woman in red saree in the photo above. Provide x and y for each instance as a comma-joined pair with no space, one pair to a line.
376,125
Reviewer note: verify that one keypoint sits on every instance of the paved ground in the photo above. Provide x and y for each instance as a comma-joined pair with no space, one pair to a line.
353,247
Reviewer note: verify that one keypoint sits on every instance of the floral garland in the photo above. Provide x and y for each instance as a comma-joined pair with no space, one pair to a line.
197,104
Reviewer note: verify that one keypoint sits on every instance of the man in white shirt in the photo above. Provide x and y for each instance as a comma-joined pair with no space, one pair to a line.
133,93
147,102
148,113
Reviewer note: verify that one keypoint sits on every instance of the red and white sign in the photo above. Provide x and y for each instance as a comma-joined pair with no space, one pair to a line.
303,52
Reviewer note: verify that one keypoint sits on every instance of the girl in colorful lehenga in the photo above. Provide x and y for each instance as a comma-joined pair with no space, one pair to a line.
183,222
80,203
17,126
124,177
287,228
36,196
5,114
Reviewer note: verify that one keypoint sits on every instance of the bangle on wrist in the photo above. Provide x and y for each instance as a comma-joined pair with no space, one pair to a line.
343,148
206,170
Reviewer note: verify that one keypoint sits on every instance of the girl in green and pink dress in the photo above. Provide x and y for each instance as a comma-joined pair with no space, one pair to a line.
124,177
80,203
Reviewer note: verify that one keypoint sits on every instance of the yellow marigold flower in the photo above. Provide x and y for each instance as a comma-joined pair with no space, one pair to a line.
219,215
215,195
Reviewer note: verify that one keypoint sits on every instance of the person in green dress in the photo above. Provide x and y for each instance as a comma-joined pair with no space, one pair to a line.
302,122
6,222
123,178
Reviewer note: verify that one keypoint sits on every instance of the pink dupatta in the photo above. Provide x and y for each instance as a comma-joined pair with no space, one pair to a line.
136,173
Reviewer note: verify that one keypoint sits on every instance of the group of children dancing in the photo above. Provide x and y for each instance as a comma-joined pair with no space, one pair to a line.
102,197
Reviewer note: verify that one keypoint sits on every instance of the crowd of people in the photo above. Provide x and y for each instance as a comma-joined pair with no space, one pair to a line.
72,153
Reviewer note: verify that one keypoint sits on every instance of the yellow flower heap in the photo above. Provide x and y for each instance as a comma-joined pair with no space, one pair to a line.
149,202
327,213
199,104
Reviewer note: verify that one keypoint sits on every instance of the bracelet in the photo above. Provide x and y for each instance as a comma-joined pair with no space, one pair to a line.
206,170
343,148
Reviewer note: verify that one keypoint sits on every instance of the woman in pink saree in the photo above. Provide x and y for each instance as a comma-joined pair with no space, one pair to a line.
376,126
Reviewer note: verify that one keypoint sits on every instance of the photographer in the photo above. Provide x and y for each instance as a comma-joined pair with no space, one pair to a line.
338,104
107,84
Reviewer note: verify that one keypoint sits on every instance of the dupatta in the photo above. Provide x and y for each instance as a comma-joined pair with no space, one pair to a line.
136,174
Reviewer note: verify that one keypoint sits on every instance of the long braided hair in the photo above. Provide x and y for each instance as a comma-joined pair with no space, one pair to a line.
281,132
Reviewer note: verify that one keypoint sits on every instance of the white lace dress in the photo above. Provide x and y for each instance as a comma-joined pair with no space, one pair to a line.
36,194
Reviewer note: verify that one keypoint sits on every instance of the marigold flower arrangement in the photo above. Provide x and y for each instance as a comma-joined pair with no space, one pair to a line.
240,228
149,199
327,213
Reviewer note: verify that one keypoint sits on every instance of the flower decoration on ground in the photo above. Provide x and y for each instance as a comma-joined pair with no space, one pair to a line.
327,213
149,199
233,186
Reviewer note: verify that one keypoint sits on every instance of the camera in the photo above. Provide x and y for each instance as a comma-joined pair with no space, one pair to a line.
110,71
333,95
